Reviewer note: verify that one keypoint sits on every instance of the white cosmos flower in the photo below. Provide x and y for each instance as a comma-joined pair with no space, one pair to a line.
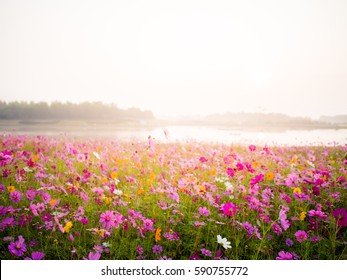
96,155
225,243
117,192
27,169
106,244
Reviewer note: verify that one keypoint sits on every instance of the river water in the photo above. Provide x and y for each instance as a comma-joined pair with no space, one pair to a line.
207,134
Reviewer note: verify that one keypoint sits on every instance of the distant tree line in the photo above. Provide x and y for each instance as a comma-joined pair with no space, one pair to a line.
69,111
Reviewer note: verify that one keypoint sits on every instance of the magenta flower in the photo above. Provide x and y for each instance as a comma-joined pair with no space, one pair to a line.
252,148
107,219
317,213
15,196
282,255
203,159
46,217
239,166
206,252
148,224
277,229
194,257
229,209
340,214
93,256
36,256
46,198
84,220
248,227
139,249
230,172
18,248
30,194
157,249
301,235
289,242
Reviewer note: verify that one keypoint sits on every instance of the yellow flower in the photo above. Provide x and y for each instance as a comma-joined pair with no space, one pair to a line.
302,215
104,180
202,189
108,200
213,172
68,226
101,232
157,234
294,160
297,190
152,176
11,189
149,182
269,176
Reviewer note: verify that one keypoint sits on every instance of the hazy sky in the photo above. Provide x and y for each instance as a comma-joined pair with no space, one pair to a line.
178,57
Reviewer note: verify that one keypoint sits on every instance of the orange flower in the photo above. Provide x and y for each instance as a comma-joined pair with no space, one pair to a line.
255,164
113,175
52,202
140,191
11,189
269,176
157,234
35,157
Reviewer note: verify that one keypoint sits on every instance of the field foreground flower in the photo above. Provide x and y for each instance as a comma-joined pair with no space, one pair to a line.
93,199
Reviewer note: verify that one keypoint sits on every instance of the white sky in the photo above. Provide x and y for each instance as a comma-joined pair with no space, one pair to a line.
178,57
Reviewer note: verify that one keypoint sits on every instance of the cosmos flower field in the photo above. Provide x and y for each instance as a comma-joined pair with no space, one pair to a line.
64,199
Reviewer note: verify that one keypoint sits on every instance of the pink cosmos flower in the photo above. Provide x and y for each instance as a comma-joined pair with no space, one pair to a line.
317,213
277,229
93,256
157,249
239,166
282,255
206,252
301,235
252,148
107,219
46,198
203,159
229,209
84,220
18,248
81,157
230,172
30,194
15,196
148,224
204,211
248,227
36,256
340,214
